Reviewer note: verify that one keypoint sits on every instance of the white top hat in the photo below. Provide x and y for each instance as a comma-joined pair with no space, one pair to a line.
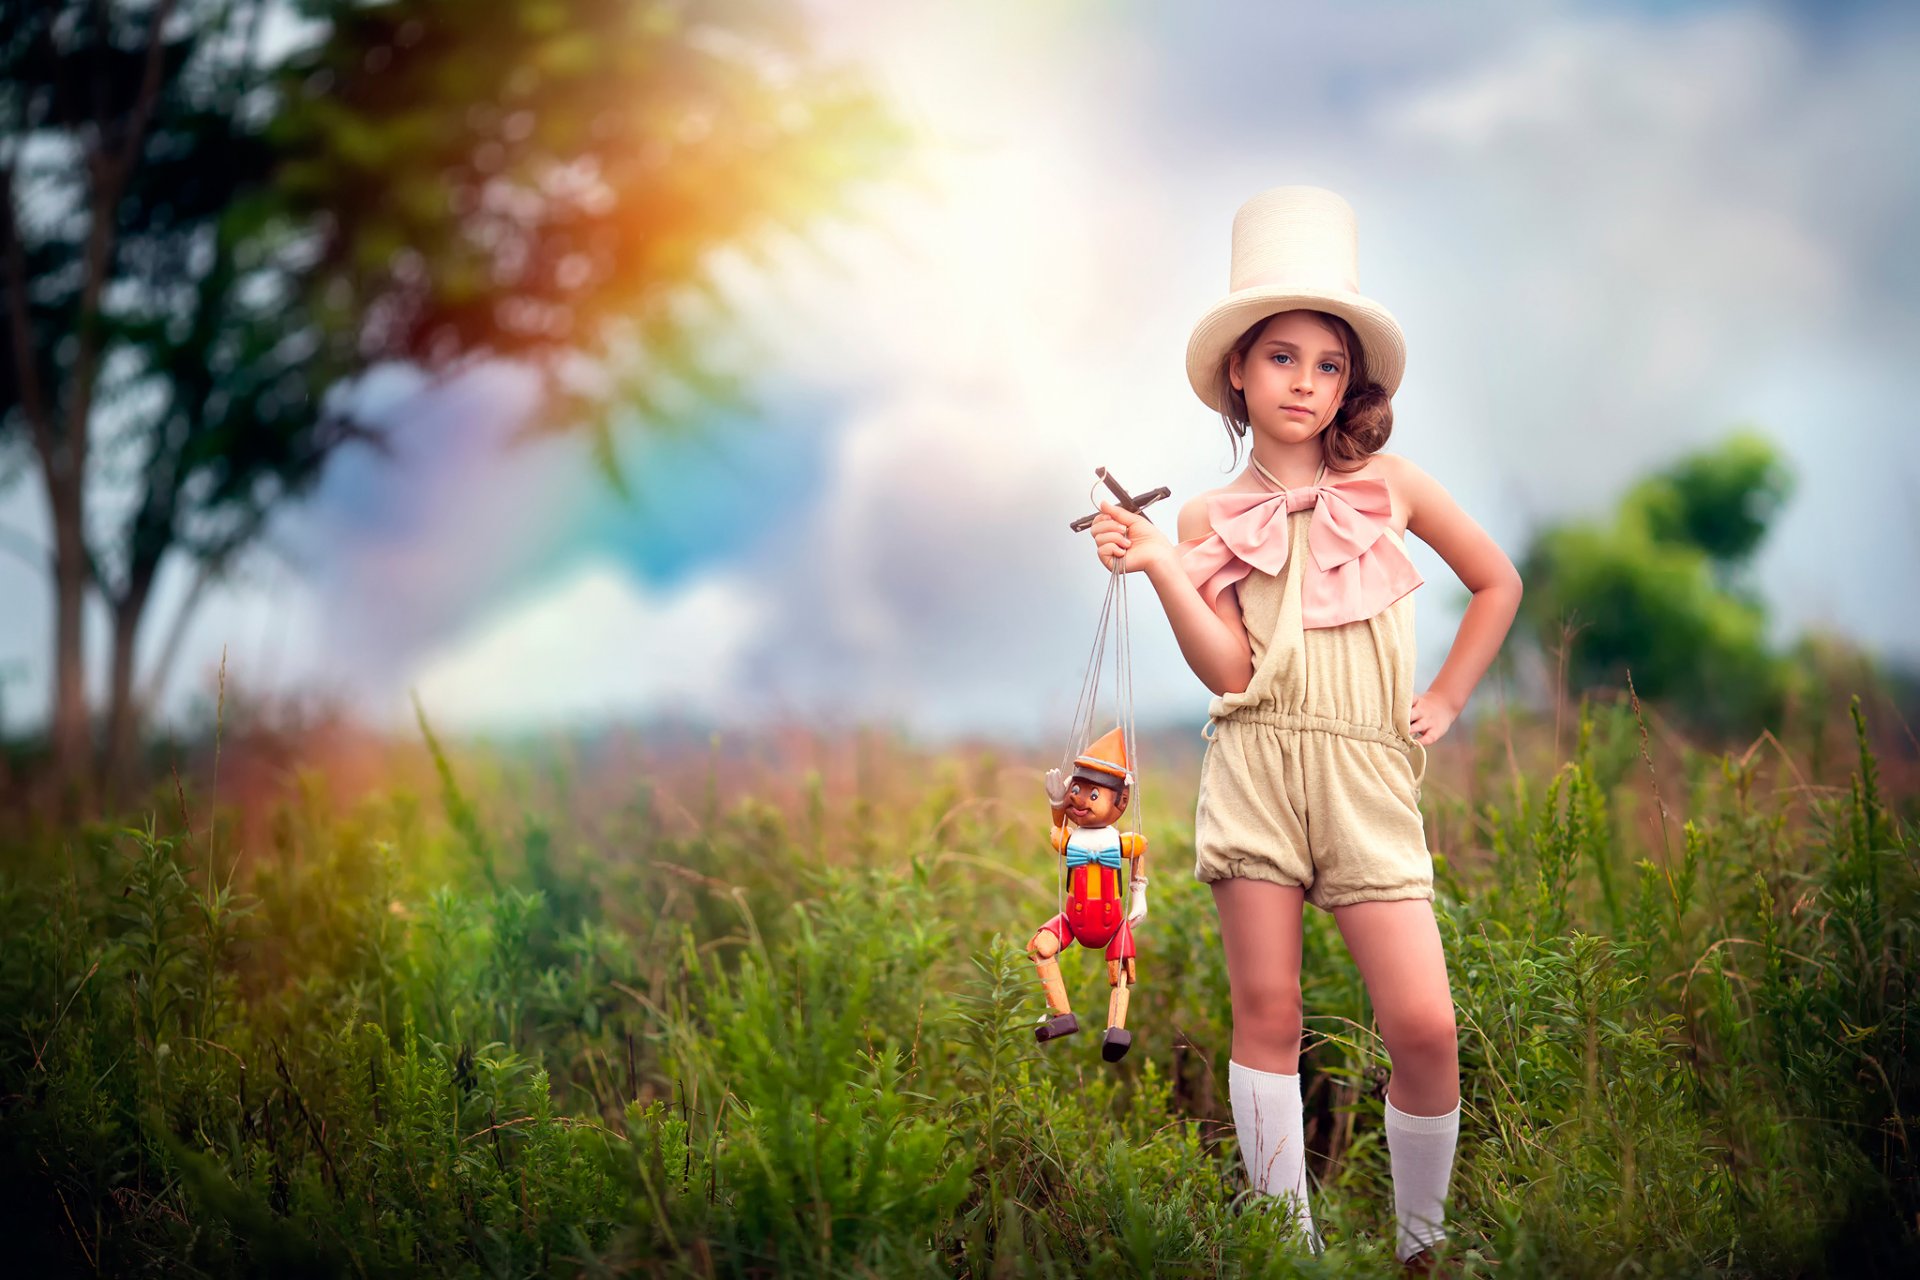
1294,248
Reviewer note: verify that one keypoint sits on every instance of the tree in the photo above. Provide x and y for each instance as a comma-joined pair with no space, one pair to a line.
428,180
89,97
1655,593
1721,501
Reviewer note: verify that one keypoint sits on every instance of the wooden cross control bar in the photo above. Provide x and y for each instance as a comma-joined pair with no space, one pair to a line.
1127,500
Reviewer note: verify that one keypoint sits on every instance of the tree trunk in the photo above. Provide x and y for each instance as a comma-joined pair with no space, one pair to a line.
70,564
65,461
63,473
124,713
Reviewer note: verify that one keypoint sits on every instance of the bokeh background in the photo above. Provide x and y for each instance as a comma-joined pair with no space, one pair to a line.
535,594
1613,233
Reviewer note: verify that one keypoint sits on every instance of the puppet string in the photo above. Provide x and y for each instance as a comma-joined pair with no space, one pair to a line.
1082,724
1123,693
1087,703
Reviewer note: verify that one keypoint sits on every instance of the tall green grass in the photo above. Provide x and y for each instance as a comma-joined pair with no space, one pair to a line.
753,1040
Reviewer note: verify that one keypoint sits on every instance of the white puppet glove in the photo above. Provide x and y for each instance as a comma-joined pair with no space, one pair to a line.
1056,787
1138,911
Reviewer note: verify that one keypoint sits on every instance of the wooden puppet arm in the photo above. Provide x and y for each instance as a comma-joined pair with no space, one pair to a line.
1134,845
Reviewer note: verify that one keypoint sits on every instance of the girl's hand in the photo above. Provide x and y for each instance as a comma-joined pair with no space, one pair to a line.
1431,717
1119,533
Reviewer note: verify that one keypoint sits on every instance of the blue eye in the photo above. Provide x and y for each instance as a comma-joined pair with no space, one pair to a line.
1328,365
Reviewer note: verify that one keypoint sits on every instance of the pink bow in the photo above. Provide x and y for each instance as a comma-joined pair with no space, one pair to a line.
1356,572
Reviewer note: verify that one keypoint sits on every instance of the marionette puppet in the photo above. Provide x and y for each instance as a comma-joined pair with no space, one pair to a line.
1087,802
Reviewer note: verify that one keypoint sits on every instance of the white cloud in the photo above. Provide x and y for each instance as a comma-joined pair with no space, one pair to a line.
937,587
597,646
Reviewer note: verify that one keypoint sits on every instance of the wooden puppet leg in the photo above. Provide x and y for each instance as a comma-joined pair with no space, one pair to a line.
1120,975
1043,947
1118,1039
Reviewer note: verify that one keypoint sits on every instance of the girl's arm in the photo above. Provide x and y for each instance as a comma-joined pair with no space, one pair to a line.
1213,641
1484,569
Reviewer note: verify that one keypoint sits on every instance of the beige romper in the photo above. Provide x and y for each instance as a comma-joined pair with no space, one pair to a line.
1311,776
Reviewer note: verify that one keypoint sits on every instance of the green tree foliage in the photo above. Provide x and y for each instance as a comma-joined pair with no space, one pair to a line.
550,180
1720,501
1657,593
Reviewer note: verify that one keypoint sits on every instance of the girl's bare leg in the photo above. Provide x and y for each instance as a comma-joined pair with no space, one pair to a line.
1260,927
1397,948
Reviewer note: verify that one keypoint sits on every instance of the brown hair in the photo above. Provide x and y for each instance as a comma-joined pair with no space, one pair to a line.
1360,426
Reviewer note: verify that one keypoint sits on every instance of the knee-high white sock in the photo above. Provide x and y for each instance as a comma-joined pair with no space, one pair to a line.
1267,1115
1420,1149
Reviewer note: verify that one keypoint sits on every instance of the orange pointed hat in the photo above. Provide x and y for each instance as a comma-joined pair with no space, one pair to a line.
1107,760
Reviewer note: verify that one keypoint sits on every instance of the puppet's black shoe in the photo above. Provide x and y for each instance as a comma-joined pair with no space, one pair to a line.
1053,1028
1116,1044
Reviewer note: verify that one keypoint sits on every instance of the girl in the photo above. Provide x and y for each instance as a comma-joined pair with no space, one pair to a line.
1289,593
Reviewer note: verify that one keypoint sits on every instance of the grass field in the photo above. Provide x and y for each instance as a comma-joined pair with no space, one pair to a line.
762,1009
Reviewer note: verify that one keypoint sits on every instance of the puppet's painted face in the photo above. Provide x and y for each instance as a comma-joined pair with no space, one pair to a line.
1294,377
1092,803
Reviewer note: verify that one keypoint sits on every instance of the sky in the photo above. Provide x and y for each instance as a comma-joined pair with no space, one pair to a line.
1610,233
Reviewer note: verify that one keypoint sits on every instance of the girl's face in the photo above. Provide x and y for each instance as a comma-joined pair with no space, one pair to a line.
1294,377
